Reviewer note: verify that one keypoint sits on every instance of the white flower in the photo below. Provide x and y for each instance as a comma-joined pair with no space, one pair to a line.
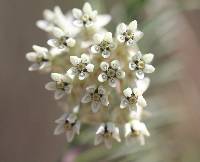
82,67
103,44
62,40
132,98
40,58
68,124
106,133
128,33
111,73
61,85
97,96
136,129
88,17
141,64
56,18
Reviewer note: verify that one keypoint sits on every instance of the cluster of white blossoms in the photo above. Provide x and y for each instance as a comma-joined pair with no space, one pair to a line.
99,76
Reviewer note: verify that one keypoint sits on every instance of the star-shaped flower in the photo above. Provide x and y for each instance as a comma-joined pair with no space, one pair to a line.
61,85
62,39
136,129
87,17
141,64
97,96
68,124
106,133
103,44
128,33
111,72
40,58
132,98
82,67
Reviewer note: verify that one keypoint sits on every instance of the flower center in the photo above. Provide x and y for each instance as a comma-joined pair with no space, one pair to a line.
86,18
128,35
140,64
67,125
81,67
96,97
134,133
62,40
133,99
61,85
105,46
111,73
40,59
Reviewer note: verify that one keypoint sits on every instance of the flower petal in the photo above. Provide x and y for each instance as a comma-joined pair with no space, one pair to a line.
104,100
116,135
108,143
120,74
77,13
140,74
121,28
133,26
95,106
86,98
149,68
102,20
57,32
141,101
87,8
39,49
98,139
102,77
31,56
138,35
90,68
104,66
71,42
51,86
124,103
70,135
148,58
85,58
91,89
83,75
112,82
108,37
53,42
115,64
75,60
34,67
98,38
128,92
59,94
59,129
57,77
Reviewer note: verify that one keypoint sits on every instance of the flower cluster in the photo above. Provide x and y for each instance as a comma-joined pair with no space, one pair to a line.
99,76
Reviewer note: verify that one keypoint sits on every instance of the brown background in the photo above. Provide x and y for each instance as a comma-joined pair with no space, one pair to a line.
27,110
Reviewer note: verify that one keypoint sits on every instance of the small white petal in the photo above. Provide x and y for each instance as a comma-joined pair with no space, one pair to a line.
71,42
90,68
78,23
57,32
124,103
120,74
149,68
127,130
95,106
31,56
75,60
91,89
87,98
104,100
148,58
101,90
133,26
128,92
34,67
132,66
102,77
57,77
59,94
106,54
108,37
108,143
143,84
53,42
137,56
116,134
102,20
51,86
104,66
141,101
77,13
100,130
112,82
68,89
121,28
40,49
77,127
83,75
115,64
140,74
98,38
85,58
70,135
98,139
141,139
121,38
138,35
44,25
87,8
59,129
95,49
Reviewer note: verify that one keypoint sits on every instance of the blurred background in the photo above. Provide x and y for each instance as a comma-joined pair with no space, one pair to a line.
27,110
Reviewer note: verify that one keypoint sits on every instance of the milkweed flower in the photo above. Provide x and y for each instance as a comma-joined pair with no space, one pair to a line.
82,67
136,129
128,33
141,64
68,124
62,40
40,58
87,17
111,72
97,96
61,84
132,98
106,133
103,44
